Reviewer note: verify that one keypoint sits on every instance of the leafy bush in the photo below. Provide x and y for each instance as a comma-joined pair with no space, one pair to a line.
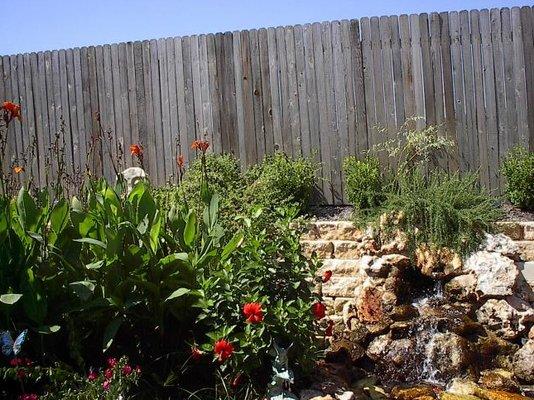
518,168
280,180
364,182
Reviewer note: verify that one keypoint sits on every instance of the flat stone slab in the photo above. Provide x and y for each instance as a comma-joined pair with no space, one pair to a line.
527,268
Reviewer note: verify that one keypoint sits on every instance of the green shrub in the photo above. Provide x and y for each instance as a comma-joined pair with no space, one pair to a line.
518,168
364,183
280,180
442,209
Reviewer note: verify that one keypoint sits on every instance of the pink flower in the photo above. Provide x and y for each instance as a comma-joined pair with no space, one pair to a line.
127,370
105,385
21,374
137,369
112,362
28,396
108,373
15,362
92,376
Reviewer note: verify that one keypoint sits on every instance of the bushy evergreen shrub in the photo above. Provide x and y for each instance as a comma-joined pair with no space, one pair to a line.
518,168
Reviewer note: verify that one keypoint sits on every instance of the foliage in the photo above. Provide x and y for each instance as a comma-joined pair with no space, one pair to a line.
431,205
364,182
518,168
280,180
442,209
269,270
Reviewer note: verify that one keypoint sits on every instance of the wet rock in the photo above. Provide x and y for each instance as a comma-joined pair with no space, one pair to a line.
498,379
342,350
412,393
461,386
348,395
381,267
462,288
523,362
437,263
486,394
507,317
388,352
357,332
331,378
449,354
531,333
369,305
400,329
404,312
501,244
395,243
451,396
495,352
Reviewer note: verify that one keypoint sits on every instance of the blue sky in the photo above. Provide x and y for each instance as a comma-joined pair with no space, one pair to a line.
34,25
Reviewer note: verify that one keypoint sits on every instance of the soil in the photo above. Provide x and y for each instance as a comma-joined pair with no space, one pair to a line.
343,213
512,213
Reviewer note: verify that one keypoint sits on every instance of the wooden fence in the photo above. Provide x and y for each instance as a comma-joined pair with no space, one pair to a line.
326,89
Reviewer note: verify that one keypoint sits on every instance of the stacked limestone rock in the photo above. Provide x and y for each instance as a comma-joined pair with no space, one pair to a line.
429,317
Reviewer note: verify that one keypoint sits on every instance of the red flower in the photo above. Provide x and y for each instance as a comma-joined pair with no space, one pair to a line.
137,369
21,374
136,150
112,362
11,110
326,276
127,370
105,385
28,396
201,145
28,362
253,313
180,161
196,353
223,349
14,362
319,310
108,373
92,376
329,329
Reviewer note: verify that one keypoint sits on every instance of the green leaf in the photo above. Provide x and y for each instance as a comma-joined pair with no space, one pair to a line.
95,265
46,330
27,210
190,229
110,332
154,231
233,244
59,216
10,298
75,204
91,241
178,293
33,301
83,289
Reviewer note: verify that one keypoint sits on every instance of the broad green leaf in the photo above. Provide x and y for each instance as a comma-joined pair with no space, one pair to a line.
190,229
59,216
83,289
154,231
171,258
27,210
95,265
110,332
75,204
10,298
33,300
178,293
91,241
233,244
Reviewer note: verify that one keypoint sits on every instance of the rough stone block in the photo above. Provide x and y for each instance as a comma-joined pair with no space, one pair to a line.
526,249
342,286
514,230
323,248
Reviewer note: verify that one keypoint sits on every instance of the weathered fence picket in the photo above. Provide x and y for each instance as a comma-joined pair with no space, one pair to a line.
326,90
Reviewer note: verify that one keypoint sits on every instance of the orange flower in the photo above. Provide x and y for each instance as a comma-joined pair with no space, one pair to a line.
136,150
180,161
11,110
253,313
18,169
223,349
201,145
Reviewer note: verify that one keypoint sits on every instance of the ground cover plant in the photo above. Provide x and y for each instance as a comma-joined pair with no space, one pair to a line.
107,294
435,207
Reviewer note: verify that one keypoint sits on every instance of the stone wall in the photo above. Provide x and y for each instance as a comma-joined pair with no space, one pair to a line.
340,245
